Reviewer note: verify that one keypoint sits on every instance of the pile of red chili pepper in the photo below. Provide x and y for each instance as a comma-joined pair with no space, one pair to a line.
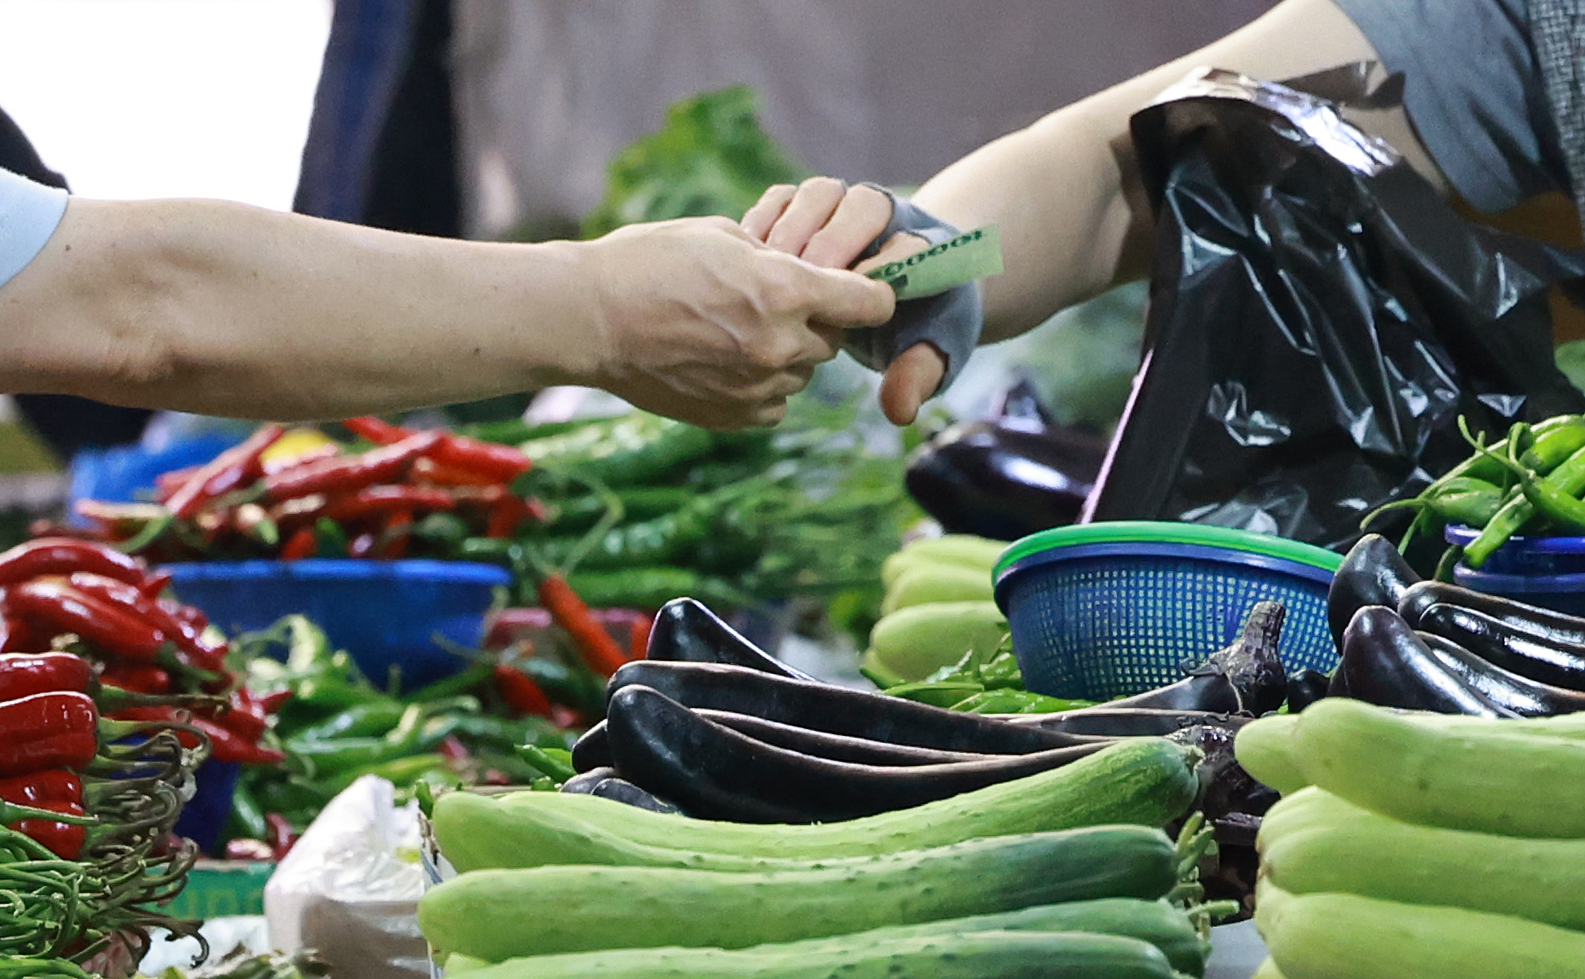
412,493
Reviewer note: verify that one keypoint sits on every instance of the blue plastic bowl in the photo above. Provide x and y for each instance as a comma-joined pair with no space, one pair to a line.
1112,609
1525,555
1558,592
386,614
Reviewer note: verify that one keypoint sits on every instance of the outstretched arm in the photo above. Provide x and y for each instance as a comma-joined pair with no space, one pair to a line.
226,309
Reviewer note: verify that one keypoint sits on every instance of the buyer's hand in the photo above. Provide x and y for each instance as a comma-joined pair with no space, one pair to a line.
701,322
828,223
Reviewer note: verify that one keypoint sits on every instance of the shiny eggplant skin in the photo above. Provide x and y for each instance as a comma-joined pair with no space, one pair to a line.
1305,687
621,790
837,747
1245,677
1385,663
832,708
1556,628
1002,479
1494,640
592,750
1523,696
585,781
714,772
1372,573
686,630
1126,722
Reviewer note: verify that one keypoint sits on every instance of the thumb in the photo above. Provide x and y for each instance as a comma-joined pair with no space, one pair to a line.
910,381
846,299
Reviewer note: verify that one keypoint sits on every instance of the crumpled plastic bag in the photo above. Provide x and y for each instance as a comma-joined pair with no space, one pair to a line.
1319,319
349,887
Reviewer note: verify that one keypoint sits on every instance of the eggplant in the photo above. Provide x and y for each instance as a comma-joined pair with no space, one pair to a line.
1125,722
1004,478
686,630
592,750
837,747
1305,687
1372,573
714,772
585,781
832,708
1225,788
1497,642
621,790
1245,677
1385,662
1556,628
1523,696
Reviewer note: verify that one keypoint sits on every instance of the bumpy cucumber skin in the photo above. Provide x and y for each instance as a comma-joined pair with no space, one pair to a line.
1420,770
976,955
1263,748
1345,936
1314,842
1143,781
498,914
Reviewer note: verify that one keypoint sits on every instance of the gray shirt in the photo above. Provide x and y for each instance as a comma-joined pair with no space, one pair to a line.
1473,91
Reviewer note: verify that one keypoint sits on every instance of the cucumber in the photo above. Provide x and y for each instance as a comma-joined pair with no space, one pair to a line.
962,550
923,584
1345,936
916,641
974,955
1264,749
1314,842
498,914
1459,776
1145,781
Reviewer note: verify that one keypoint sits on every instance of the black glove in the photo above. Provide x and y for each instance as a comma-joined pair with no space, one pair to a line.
951,322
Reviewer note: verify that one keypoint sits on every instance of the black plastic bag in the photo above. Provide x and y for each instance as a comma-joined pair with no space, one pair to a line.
1319,318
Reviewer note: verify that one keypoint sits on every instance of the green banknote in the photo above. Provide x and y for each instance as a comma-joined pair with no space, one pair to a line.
971,255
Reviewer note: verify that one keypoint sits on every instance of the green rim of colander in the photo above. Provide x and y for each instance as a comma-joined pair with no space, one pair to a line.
1168,532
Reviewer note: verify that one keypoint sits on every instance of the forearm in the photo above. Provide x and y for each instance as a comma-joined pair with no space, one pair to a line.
223,309
1073,216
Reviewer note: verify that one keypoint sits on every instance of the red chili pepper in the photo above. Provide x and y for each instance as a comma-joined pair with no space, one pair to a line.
502,463
282,834
520,692
189,640
376,430
160,714
114,629
49,785
168,482
21,636
48,730
398,525
227,745
137,678
431,472
387,464
273,701
65,840
302,544
190,614
600,652
24,674
63,555
243,718
326,451
452,749
157,581
231,470
387,498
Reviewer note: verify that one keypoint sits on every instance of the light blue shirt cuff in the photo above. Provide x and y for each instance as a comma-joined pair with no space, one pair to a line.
29,214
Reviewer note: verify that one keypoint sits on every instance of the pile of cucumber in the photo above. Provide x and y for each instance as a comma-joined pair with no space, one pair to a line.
1419,846
1062,873
936,607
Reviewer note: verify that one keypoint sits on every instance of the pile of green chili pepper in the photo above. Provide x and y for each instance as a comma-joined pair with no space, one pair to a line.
338,726
1529,483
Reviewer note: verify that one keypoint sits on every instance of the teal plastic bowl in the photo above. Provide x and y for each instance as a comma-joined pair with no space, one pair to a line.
1112,609
388,615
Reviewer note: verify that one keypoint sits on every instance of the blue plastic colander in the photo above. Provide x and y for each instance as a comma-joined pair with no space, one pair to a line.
1111,609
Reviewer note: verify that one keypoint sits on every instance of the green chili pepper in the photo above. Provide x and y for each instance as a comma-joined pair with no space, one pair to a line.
650,588
401,772
555,763
630,450
373,717
939,693
583,511
1568,479
1553,446
452,686
247,818
1008,701
1468,501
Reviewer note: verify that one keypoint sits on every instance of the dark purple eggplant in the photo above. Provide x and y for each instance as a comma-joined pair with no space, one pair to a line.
1225,788
1372,573
1384,662
585,781
1246,677
592,750
1125,722
832,708
1553,627
686,630
621,790
1004,479
1523,696
713,772
837,747
1305,687
1494,640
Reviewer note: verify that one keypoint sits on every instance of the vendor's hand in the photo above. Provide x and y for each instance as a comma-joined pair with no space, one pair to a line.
701,322
828,223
